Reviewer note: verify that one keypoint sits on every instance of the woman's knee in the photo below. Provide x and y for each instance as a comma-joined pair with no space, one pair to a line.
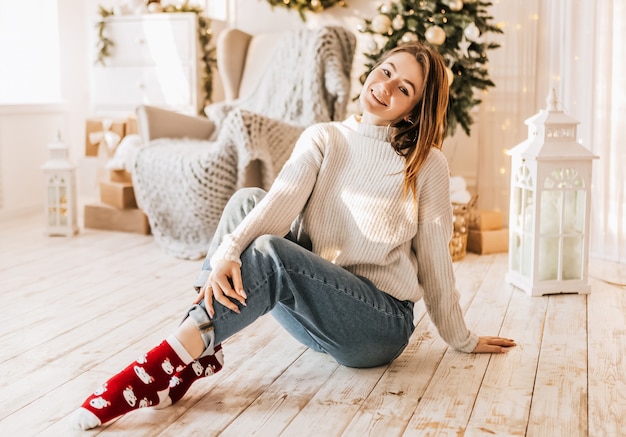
247,196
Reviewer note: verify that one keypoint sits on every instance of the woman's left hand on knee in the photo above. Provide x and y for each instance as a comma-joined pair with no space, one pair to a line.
225,286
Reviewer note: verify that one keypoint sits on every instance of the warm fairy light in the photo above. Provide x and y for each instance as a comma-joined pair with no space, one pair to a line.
502,170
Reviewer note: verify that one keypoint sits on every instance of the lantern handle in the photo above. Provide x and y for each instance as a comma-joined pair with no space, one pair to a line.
552,101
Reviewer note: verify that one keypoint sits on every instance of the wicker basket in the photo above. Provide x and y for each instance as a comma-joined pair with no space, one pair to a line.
461,216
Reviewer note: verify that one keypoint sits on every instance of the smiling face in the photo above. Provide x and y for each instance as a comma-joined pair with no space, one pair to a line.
392,90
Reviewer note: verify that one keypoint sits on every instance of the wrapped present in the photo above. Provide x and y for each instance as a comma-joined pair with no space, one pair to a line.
131,125
483,220
103,132
118,194
107,217
120,176
487,242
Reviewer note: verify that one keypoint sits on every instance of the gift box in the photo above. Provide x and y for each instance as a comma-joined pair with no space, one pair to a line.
110,218
118,194
483,220
120,176
486,242
131,125
103,132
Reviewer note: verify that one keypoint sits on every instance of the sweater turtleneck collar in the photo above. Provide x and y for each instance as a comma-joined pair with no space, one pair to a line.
380,133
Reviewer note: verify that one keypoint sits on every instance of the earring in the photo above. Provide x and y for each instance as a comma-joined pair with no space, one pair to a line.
408,120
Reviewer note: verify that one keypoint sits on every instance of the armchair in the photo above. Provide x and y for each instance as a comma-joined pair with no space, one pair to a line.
275,85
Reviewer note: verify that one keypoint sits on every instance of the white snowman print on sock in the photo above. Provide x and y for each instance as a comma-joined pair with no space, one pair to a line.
144,403
197,368
167,367
143,375
174,381
101,389
99,403
129,395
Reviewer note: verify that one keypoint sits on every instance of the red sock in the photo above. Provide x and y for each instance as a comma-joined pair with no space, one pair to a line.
203,366
143,383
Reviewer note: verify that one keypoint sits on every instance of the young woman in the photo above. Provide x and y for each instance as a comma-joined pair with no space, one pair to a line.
354,230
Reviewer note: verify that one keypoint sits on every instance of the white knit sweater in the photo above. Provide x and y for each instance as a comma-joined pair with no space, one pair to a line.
343,187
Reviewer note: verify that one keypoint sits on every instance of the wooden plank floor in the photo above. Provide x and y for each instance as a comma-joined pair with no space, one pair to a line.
75,310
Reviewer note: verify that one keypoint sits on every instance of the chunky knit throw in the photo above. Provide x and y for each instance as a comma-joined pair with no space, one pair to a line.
183,185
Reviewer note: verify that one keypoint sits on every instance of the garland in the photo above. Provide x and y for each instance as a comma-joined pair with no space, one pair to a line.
303,6
456,29
104,44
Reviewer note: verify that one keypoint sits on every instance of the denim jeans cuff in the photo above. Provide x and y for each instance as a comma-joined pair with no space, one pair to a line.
201,279
200,317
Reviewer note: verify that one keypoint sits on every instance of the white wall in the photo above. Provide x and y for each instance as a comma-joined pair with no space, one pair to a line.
25,131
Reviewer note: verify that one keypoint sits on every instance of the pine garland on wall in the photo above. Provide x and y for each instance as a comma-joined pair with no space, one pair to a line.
456,28
303,6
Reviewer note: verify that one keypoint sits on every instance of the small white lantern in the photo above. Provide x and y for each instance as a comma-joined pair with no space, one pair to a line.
550,206
60,194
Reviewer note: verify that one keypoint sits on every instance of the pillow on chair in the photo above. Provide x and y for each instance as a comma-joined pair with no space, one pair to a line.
156,123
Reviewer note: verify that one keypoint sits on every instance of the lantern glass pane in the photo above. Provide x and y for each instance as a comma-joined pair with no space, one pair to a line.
551,212
527,253
528,211
63,206
548,266
572,258
515,252
518,209
52,196
52,216
52,205
574,212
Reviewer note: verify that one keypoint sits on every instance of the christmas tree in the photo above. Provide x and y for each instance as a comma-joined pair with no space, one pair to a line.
456,29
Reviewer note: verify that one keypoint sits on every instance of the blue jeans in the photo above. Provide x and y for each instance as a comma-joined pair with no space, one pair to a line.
325,307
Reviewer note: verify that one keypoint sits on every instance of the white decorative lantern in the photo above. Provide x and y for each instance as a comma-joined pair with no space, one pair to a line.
550,206
60,195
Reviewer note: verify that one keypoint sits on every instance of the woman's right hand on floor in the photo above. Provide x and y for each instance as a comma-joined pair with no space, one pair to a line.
493,345
224,286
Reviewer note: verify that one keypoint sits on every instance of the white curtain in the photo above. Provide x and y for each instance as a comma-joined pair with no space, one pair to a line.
588,56
513,68
578,48
608,130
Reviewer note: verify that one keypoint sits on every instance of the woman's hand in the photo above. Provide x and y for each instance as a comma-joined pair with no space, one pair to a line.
493,345
225,286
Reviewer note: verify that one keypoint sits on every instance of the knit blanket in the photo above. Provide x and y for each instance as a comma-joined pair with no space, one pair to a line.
183,185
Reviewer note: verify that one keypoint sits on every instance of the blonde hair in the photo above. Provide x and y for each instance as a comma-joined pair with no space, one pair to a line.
426,127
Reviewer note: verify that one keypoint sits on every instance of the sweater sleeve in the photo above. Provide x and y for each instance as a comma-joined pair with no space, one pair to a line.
435,270
284,201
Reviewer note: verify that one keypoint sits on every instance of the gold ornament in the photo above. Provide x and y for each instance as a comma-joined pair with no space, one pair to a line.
435,35
471,32
450,75
381,24
398,22
455,5
409,37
